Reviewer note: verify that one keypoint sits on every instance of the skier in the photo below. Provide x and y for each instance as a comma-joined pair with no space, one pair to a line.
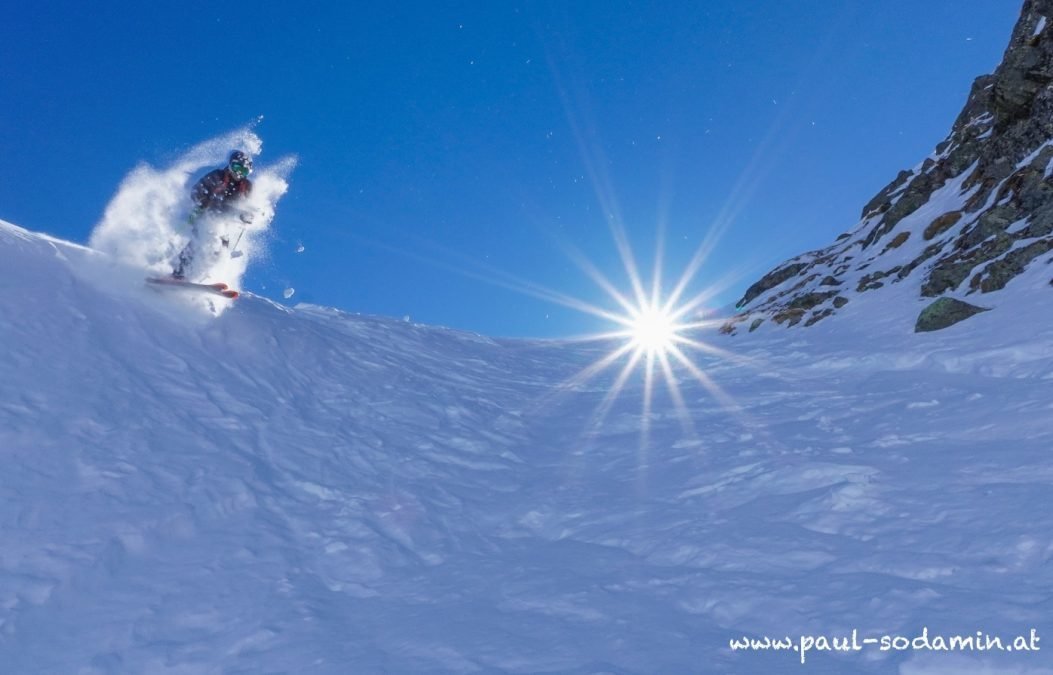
218,193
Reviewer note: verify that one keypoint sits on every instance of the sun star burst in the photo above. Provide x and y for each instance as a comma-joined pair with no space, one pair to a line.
656,335
653,330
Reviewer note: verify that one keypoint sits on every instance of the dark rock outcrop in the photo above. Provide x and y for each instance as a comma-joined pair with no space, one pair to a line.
770,281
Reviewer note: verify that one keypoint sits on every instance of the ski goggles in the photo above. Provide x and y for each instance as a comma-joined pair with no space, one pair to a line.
240,170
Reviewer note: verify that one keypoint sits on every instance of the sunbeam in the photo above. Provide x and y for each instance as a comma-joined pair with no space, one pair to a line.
656,335
653,330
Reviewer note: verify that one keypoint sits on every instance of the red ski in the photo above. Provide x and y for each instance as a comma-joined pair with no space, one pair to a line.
219,288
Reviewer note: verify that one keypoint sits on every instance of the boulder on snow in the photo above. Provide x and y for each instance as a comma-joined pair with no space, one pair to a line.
943,313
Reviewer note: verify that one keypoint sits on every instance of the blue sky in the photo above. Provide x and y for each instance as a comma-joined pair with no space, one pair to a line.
442,138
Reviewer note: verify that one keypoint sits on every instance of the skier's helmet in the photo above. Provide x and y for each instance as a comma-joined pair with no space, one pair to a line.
240,164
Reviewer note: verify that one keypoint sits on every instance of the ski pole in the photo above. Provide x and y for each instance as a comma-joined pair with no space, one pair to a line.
236,242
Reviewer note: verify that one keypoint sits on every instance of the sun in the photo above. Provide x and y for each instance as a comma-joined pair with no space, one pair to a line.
654,331
656,337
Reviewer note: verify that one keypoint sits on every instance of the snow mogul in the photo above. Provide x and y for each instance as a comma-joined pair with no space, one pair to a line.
220,192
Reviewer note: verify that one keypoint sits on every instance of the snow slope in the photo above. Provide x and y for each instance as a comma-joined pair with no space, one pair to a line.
304,490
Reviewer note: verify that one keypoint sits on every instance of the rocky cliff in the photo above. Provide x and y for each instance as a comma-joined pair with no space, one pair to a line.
963,223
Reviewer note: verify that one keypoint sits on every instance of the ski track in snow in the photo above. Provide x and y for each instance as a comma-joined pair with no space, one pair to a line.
305,490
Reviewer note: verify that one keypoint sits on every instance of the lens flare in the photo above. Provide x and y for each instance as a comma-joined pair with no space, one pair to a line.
657,340
654,331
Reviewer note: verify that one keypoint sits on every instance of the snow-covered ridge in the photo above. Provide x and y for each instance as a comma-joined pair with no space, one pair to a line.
970,218
306,490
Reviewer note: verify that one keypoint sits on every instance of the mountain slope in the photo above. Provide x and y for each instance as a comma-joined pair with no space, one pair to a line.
303,490
962,224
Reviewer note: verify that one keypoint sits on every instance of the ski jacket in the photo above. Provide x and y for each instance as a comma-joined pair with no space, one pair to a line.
219,190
